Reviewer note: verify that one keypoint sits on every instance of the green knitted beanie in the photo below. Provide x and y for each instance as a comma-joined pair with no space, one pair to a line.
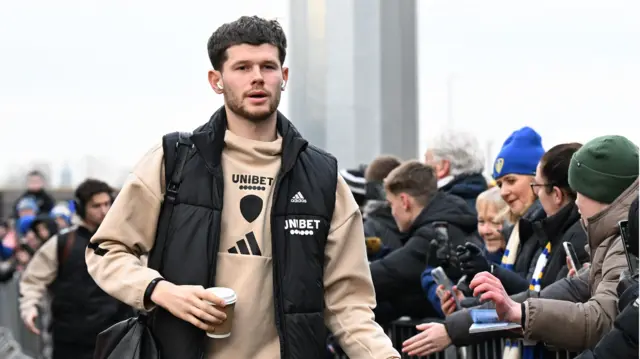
604,168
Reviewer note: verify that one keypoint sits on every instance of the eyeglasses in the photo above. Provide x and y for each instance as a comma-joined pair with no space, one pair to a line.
534,185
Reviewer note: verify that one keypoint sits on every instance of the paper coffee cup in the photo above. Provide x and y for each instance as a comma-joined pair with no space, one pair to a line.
223,330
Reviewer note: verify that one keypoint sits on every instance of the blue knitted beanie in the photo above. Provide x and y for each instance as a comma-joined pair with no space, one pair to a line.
520,154
27,203
23,224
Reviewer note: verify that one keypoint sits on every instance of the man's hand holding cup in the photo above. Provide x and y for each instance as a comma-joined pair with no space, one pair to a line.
191,303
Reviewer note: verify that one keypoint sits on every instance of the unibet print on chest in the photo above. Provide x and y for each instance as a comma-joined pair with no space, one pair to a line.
249,181
301,226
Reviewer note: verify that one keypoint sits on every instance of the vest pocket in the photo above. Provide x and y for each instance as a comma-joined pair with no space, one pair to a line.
305,239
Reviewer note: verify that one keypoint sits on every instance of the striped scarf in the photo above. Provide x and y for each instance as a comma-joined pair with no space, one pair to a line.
529,347
511,252
539,271
511,347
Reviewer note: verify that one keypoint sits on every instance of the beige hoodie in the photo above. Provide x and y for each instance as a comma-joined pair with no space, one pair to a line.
129,229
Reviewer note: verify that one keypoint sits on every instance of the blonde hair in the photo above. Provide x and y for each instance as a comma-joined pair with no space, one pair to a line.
492,197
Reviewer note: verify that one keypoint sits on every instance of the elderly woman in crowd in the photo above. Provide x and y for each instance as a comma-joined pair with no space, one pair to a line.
458,161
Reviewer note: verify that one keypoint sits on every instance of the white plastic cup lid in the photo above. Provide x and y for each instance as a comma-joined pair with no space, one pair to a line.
227,294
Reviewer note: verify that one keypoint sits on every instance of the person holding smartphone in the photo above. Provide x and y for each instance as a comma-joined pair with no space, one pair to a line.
604,175
622,340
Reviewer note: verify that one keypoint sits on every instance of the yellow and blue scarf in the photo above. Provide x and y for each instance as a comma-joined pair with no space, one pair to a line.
512,349
529,347
511,252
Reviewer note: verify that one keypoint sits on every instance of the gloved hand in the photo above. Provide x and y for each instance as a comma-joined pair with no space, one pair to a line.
627,289
470,302
446,255
625,281
472,260
463,286
442,254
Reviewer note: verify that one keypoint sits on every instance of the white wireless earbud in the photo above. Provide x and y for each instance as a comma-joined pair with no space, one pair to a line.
219,84
283,86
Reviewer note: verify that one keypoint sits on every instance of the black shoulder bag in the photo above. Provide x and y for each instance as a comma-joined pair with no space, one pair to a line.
132,338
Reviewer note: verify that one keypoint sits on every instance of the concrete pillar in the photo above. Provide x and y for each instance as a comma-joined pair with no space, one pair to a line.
353,81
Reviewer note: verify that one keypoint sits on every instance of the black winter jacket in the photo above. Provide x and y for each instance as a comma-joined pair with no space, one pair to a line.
535,231
378,222
397,276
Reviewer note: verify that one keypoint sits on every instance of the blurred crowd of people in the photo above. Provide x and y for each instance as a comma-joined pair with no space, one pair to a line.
43,246
442,237
36,217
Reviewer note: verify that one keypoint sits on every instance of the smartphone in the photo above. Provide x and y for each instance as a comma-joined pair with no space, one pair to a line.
573,257
441,278
632,260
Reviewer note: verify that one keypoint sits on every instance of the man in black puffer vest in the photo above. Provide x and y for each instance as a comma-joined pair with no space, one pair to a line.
79,308
258,210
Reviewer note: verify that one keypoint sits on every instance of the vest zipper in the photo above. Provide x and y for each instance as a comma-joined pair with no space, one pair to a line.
278,301
218,184
277,282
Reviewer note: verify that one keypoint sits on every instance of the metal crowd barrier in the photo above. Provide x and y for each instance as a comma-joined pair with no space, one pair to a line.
16,341
403,329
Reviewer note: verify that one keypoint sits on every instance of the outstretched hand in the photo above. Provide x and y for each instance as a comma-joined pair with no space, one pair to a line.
490,288
433,338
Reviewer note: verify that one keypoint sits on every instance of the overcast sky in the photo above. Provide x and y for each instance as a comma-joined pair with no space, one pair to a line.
109,78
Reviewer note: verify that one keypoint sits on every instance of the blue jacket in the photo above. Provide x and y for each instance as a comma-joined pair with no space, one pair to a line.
430,286
5,252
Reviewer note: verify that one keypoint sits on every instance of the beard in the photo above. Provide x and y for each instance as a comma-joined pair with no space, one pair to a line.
236,105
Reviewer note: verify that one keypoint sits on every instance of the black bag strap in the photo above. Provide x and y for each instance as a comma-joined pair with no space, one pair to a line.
176,148
64,245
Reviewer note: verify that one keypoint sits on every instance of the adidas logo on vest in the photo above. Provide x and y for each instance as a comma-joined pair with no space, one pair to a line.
298,198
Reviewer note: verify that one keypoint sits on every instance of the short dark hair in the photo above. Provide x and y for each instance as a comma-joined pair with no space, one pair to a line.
35,173
380,168
252,30
91,187
554,166
415,179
